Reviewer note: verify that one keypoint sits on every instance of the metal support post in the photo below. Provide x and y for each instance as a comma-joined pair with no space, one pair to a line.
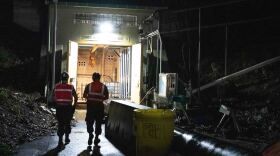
198,55
226,48
54,42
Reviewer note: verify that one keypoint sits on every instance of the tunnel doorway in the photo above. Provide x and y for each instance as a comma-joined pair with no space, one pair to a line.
104,59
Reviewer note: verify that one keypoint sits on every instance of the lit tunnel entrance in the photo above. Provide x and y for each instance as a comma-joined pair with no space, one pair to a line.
107,60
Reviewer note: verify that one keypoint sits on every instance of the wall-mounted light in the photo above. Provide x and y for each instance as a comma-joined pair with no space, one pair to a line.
106,27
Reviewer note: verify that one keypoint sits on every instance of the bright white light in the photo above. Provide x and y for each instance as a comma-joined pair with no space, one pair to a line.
105,37
106,27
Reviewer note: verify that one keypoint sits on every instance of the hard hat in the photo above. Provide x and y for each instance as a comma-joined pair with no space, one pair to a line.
64,76
96,76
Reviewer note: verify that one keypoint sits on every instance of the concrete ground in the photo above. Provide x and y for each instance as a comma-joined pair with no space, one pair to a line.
77,147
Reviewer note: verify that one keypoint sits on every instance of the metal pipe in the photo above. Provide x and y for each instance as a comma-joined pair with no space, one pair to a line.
124,69
198,55
157,64
226,48
124,78
160,45
120,66
128,75
239,73
190,81
151,45
147,47
160,53
147,93
54,42
192,143
47,68
152,34
129,72
49,29
130,53
120,78
147,67
125,73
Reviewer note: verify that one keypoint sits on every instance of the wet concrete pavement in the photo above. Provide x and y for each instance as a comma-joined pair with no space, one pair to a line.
77,147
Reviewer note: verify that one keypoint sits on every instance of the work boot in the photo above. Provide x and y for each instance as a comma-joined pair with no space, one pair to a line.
60,142
67,140
90,139
96,141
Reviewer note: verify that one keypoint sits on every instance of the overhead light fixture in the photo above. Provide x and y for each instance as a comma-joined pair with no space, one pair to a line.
106,27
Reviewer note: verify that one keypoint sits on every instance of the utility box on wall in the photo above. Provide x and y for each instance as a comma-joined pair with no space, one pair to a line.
167,84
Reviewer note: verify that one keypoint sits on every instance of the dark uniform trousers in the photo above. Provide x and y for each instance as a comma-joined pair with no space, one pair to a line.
95,113
64,114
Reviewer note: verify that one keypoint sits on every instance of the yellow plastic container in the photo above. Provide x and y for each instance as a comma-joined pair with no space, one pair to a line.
153,130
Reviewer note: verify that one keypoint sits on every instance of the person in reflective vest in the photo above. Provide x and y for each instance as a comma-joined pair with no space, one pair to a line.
63,98
95,93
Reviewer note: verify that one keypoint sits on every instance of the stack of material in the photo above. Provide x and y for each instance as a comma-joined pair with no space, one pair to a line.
22,118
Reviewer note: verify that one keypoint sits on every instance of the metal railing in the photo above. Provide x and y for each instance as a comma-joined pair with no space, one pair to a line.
113,89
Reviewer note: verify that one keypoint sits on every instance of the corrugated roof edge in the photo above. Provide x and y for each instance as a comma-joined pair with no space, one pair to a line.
117,6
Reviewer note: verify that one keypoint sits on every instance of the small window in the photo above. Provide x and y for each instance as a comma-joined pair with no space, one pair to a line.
110,57
82,63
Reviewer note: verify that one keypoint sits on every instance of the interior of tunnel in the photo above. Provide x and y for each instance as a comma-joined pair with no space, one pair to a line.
103,59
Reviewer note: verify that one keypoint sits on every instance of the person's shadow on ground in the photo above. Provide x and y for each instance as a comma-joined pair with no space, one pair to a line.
87,152
54,151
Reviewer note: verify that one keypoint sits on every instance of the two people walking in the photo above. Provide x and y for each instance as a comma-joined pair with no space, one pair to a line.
64,93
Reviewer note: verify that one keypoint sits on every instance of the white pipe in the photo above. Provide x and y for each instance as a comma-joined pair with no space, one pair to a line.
160,54
125,74
160,51
129,72
241,72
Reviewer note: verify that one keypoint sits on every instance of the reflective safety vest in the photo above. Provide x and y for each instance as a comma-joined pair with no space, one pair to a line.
63,94
96,92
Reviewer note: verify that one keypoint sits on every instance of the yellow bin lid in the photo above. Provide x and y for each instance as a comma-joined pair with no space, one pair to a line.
154,113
